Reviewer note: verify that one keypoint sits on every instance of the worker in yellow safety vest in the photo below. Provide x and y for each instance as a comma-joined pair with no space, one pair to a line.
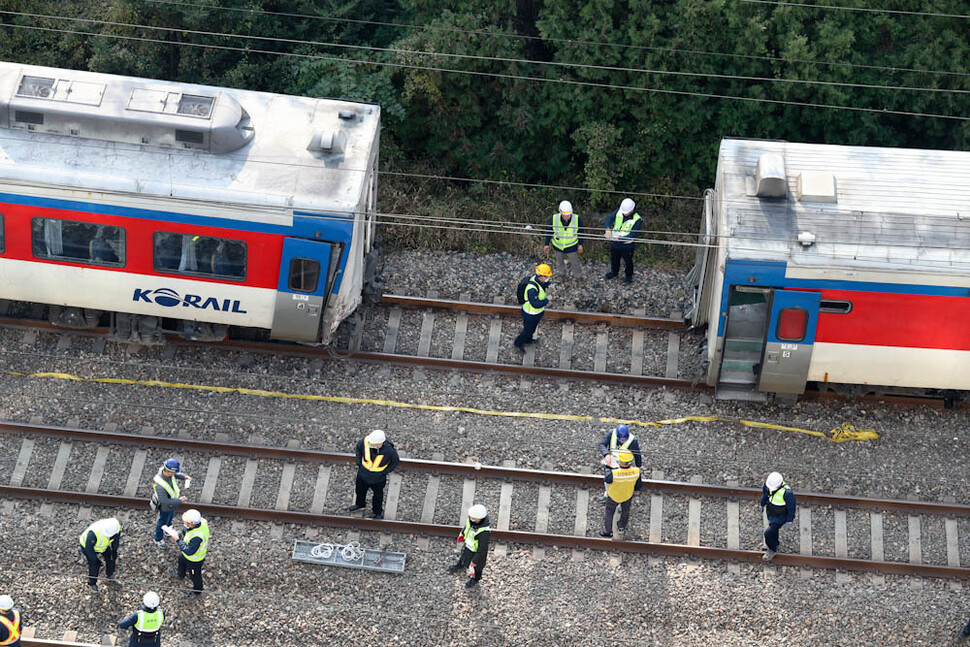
474,552
376,458
535,300
565,237
622,227
146,623
778,502
101,540
10,622
193,543
621,481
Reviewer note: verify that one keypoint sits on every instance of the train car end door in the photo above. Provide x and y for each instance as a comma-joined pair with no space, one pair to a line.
301,294
790,341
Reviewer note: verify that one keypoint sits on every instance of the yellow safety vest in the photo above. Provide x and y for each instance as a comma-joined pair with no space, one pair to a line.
171,488
527,307
471,535
101,539
564,236
149,622
625,227
372,465
624,482
202,530
13,628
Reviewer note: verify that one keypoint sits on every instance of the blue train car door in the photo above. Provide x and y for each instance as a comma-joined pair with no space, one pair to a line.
301,294
790,341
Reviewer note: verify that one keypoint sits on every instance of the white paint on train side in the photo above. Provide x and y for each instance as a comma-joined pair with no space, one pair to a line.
160,296
877,276
928,368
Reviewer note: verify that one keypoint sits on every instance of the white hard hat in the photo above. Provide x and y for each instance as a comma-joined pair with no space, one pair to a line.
192,516
565,207
477,511
627,206
112,527
774,481
376,437
6,603
150,600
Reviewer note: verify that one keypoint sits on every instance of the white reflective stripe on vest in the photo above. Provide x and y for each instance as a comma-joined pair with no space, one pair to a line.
778,496
471,536
625,227
149,622
614,449
13,628
564,236
172,489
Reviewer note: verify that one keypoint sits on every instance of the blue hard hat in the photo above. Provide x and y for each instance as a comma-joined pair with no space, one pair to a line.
172,464
622,432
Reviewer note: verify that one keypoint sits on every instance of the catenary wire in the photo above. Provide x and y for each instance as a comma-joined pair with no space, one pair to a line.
566,41
497,75
900,12
499,59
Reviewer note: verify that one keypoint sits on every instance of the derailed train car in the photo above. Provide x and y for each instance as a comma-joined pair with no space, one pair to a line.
182,208
835,267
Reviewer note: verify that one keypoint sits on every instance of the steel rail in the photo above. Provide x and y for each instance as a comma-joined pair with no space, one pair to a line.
513,536
40,642
472,470
613,319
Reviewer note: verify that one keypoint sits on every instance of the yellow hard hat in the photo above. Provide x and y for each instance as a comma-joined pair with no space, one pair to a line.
625,457
543,270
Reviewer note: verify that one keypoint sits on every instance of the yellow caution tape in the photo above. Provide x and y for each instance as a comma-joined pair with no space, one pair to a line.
846,431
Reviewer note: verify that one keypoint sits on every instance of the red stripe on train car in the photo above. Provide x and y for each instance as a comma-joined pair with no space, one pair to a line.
901,320
264,251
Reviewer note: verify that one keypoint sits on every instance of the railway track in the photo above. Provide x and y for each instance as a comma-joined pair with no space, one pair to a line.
722,522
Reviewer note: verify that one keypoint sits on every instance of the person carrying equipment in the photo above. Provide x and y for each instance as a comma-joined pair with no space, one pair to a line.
167,496
621,482
146,623
778,502
193,543
376,458
11,622
615,441
101,538
474,553
564,236
535,300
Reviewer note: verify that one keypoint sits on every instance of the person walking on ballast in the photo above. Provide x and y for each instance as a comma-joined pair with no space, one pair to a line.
11,622
376,458
101,538
146,623
566,238
167,496
536,300
621,483
193,543
778,501
475,538
622,227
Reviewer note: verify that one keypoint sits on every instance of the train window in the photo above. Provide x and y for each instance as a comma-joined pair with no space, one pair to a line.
835,307
199,255
792,323
304,275
78,242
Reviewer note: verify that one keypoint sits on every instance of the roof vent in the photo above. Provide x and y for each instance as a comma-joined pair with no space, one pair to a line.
816,186
770,179
347,114
328,141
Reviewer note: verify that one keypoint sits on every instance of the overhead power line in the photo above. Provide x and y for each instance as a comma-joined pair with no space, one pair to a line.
563,41
497,75
499,59
898,12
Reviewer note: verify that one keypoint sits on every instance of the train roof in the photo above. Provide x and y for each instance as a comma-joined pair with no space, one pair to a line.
844,206
101,132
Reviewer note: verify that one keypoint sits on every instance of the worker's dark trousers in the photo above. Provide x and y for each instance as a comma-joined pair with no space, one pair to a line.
466,558
626,253
194,570
611,510
378,488
771,534
164,519
94,566
966,631
529,324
